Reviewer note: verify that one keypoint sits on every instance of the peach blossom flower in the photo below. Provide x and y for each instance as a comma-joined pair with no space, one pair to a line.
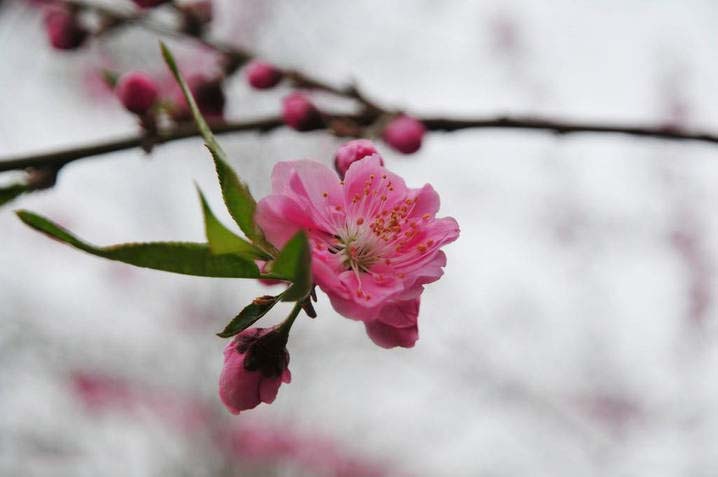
375,242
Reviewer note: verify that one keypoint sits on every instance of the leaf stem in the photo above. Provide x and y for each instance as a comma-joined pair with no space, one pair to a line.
289,321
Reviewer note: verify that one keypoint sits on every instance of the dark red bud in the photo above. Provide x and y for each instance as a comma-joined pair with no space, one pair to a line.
209,94
299,113
137,92
263,75
404,134
63,28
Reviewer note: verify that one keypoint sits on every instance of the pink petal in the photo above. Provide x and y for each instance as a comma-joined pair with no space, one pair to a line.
400,314
360,173
238,388
396,325
315,179
280,217
268,389
427,202
390,337
326,273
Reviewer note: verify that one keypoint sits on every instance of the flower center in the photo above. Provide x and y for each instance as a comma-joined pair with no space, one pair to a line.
356,247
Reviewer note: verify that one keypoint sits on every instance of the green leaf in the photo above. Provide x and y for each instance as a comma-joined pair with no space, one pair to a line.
294,263
249,315
237,197
222,240
178,257
10,192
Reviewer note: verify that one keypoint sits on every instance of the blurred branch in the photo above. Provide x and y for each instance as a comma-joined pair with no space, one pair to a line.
59,158
354,125
236,56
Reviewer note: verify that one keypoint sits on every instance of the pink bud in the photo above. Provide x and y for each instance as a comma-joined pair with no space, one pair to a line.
63,28
299,113
404,134
263,75
149,3
137,92
209,95
352,152
255,366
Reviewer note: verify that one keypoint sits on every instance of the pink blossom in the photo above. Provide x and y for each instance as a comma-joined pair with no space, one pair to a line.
352,152
405,134
262,75
255,365
299,113
375,242
63,28
137,92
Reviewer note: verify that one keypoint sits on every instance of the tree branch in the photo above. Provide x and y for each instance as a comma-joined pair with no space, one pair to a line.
57,159
347,125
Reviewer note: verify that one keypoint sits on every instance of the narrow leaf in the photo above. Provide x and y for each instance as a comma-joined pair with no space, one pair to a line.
294,263
237,197
222,240
10,192
249,315
178,257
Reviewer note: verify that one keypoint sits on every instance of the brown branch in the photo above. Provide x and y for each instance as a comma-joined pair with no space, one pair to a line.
57,159
348,125
236,56
569,127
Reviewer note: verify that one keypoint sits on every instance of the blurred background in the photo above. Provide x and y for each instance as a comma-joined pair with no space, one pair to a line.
573,334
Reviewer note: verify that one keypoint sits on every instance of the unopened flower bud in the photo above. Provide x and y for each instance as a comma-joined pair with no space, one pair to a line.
149,3
351,152
137,92
255,366
299,113
263,75
64,29
404,134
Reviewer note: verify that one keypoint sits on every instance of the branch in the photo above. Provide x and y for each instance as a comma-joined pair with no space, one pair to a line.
347,125
569,127
236,56
57,159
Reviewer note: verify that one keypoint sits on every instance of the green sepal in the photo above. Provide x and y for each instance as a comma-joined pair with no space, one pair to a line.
294,263
177,257
249,315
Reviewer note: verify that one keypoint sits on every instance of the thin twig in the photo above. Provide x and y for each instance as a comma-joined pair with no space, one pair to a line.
59,158
236,56
348,125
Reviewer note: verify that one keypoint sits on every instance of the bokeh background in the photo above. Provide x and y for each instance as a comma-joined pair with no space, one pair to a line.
574,333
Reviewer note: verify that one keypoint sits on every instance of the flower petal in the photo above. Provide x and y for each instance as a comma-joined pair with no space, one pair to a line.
396,325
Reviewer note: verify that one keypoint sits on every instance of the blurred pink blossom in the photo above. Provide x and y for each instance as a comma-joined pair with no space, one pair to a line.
405,134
